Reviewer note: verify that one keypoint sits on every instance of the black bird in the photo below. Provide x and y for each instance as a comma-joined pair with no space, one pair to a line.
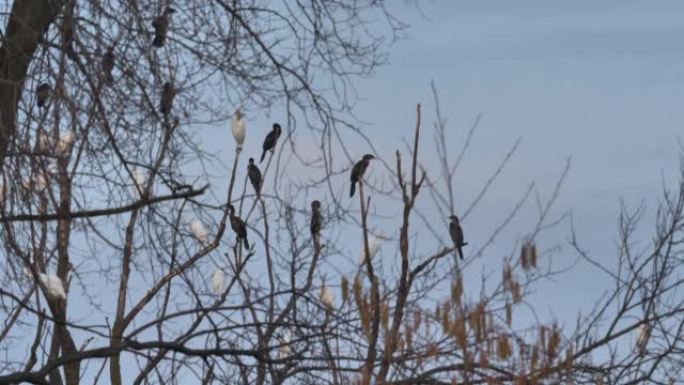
456,233
42,94
161,25
271,140
255,177
167,95
357,172
238,226
316,220
107,65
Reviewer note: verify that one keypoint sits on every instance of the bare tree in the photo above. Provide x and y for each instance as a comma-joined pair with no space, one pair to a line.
123,264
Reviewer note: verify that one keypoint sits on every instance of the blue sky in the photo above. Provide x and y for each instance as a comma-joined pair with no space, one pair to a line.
602,82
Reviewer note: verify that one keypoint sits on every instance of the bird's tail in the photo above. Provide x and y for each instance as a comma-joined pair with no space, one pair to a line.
263,156
246,242
352,190
157,42
460,252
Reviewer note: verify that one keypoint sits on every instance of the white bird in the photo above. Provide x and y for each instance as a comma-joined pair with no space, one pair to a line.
642,337
218,280
54,285
66,140
374,246
43,141
199,232
326,296
284,350
39,182
139,182
237,125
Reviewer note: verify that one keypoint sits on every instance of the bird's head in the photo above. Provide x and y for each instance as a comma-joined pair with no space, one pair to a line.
170,10
277,128
251,161
231,209
315,205
453,218
368,157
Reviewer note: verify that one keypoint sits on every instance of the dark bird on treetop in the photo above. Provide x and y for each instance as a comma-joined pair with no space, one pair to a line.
271,140
255,176
357,172
456,233
107,65
316,220
167,95
42,94
238,226
161,25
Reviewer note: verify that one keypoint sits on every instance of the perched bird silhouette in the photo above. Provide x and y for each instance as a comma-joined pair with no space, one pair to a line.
107,65
161,25
316,220
456,233
357,172
255,177
271,140
167,95
238,226
42,94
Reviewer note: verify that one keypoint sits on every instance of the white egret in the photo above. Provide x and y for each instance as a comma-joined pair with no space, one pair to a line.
54,285
237,125
199,232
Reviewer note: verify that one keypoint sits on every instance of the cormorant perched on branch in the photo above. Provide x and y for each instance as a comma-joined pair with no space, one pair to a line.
456,233
316,220
238,226
167,95
107,65
42,94
271,140
255,177
161,25
357,172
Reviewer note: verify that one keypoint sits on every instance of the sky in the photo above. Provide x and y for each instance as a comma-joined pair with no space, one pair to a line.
600,82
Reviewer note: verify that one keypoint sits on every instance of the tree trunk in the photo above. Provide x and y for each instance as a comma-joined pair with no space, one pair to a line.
28,22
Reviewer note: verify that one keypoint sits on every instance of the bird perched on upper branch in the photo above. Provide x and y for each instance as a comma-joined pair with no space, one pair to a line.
357,172
42,94
255,177
456,233
316,220
161,26
237,125
238,226
271,140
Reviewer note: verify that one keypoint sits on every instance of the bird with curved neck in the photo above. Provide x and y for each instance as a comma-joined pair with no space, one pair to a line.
271,140
316,219
456,233
255,178
357,172
238,226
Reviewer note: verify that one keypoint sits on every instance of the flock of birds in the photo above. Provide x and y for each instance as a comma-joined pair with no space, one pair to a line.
197,228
